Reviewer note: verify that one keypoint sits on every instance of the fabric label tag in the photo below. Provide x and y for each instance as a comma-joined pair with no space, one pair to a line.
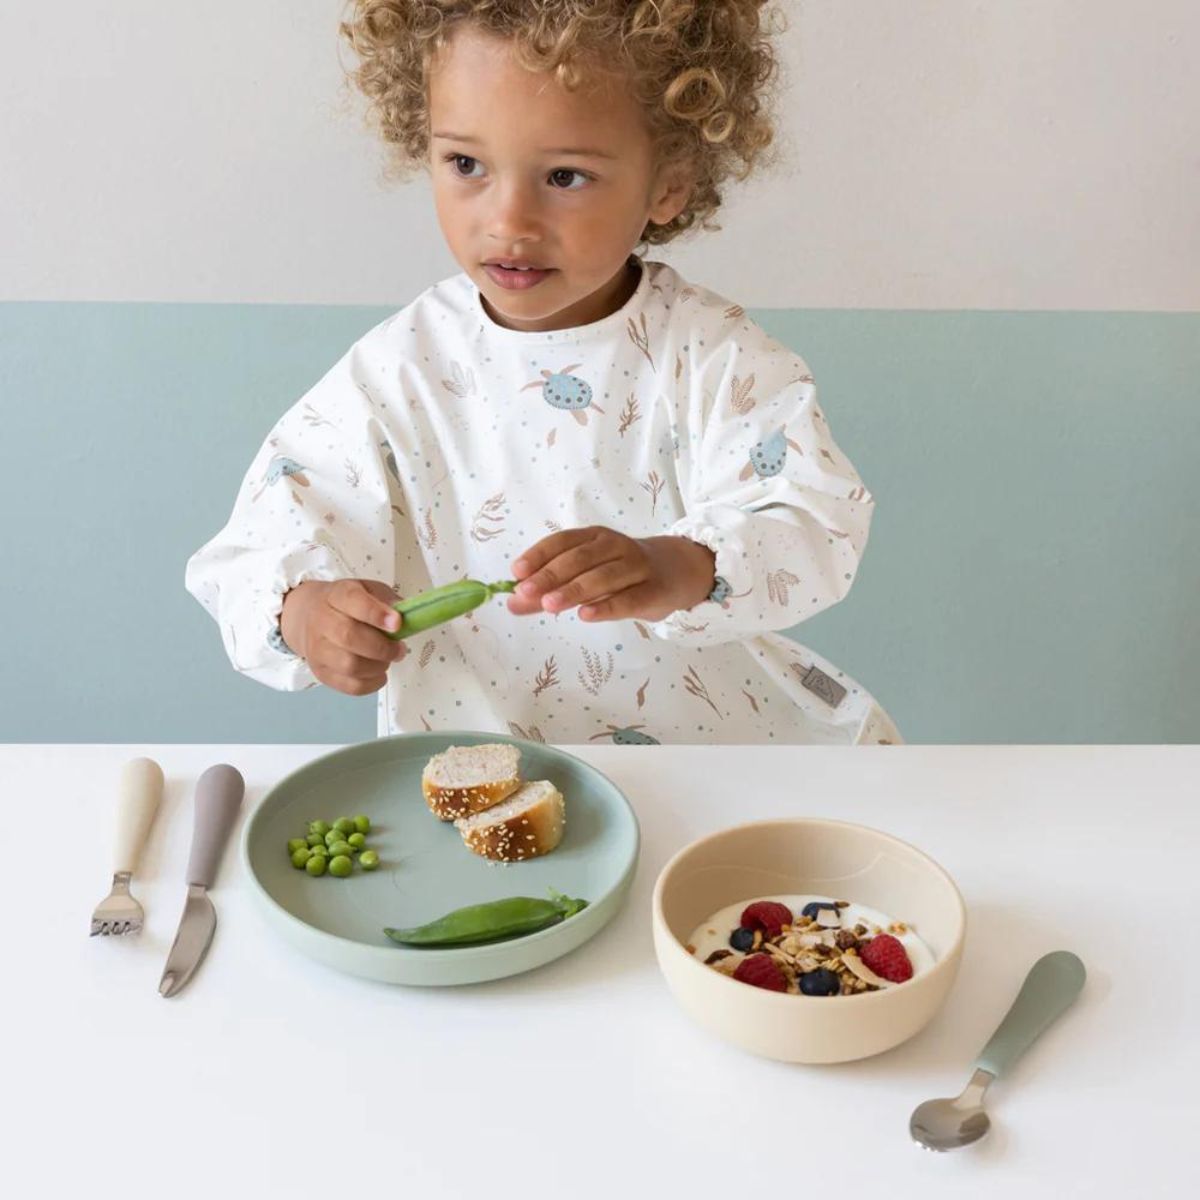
822,685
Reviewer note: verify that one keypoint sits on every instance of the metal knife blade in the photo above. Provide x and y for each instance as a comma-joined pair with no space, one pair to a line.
219,793
195,934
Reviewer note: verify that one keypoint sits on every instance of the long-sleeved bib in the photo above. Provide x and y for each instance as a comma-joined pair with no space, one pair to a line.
443,444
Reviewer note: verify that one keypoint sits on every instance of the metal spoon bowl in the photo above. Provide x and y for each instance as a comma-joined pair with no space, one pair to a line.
1049,989
948,1124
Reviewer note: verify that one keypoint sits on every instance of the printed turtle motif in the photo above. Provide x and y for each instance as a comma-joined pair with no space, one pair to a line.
768,456
561,389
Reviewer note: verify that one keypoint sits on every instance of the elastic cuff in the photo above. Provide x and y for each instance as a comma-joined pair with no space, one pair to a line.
293,570
729,577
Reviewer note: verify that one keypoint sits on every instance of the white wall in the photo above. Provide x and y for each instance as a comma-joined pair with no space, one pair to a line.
1012,154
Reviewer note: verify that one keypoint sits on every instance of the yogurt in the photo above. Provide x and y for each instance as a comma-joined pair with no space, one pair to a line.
714,933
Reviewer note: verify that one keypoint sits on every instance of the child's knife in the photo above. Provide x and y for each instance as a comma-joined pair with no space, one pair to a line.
219,793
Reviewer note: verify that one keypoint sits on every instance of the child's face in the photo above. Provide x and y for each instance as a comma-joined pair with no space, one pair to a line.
506,190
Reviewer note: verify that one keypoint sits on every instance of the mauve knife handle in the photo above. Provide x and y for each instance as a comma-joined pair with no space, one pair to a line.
219,793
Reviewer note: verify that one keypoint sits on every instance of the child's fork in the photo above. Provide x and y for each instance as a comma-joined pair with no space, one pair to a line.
138,801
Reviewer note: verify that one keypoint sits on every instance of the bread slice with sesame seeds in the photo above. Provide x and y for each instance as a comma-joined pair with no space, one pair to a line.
529,823
468,779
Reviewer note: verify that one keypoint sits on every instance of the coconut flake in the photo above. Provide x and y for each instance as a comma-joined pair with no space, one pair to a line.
829,918
860,968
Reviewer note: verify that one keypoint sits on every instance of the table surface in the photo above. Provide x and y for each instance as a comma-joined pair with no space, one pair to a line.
273,1075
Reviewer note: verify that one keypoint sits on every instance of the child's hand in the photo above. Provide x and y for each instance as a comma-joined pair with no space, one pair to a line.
336,627
611,576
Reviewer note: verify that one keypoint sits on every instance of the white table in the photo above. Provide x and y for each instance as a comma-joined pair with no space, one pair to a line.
272,1076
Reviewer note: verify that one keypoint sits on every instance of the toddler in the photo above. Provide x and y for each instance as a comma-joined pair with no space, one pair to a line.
648,464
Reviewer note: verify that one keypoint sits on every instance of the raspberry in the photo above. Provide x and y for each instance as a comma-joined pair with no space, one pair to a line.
885,955
760,970
768,916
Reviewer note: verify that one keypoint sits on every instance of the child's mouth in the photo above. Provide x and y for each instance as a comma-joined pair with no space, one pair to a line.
515,279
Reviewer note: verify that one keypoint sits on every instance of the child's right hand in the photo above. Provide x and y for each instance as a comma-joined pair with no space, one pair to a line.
338,629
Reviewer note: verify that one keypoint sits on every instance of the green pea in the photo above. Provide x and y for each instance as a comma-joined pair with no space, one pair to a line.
362,824
301,856
440,604
295,844
341,849
334,835
315,839
369,860
321,827
344,825
341,865
357,840
315,865
513,916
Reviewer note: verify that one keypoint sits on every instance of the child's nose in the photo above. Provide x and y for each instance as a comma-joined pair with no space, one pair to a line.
516,213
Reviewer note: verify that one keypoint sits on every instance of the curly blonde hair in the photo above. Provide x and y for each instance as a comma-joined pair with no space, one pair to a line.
703,71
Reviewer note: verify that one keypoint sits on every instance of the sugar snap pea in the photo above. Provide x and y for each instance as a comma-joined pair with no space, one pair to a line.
514,916
424,611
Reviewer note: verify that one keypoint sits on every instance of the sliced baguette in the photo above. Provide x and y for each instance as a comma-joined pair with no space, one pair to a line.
467,779
530,822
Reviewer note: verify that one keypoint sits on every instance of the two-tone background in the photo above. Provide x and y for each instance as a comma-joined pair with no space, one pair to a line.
984,237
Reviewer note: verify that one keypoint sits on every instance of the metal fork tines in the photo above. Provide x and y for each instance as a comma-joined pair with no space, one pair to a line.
138,797
118,912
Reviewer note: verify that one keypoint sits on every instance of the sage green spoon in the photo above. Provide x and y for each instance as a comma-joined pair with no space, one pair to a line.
1049,989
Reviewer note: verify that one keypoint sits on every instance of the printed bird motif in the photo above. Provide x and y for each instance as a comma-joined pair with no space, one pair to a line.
768,456
282,467
626,736
276,642
389,457
563,390
721,590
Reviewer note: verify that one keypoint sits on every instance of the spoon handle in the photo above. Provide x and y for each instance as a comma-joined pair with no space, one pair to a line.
1050,987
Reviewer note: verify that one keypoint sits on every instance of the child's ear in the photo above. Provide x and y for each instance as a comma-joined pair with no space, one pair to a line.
669,197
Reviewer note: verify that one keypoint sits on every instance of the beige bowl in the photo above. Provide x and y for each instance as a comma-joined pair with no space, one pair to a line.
815,857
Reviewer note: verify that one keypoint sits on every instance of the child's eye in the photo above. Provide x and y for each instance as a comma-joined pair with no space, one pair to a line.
457,160
462,165
555,175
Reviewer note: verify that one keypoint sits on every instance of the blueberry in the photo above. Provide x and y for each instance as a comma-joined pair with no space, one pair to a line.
742,939
811,910
820,983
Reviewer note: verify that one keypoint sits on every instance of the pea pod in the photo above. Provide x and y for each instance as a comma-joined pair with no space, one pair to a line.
424,611
513,916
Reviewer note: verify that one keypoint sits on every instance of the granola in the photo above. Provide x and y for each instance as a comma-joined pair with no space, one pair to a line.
822,948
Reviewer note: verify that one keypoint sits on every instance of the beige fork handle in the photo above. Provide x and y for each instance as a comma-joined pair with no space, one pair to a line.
138,799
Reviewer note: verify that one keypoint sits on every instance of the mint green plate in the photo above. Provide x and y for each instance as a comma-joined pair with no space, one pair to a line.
425,870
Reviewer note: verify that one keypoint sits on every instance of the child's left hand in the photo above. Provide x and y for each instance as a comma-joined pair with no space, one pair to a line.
610,575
